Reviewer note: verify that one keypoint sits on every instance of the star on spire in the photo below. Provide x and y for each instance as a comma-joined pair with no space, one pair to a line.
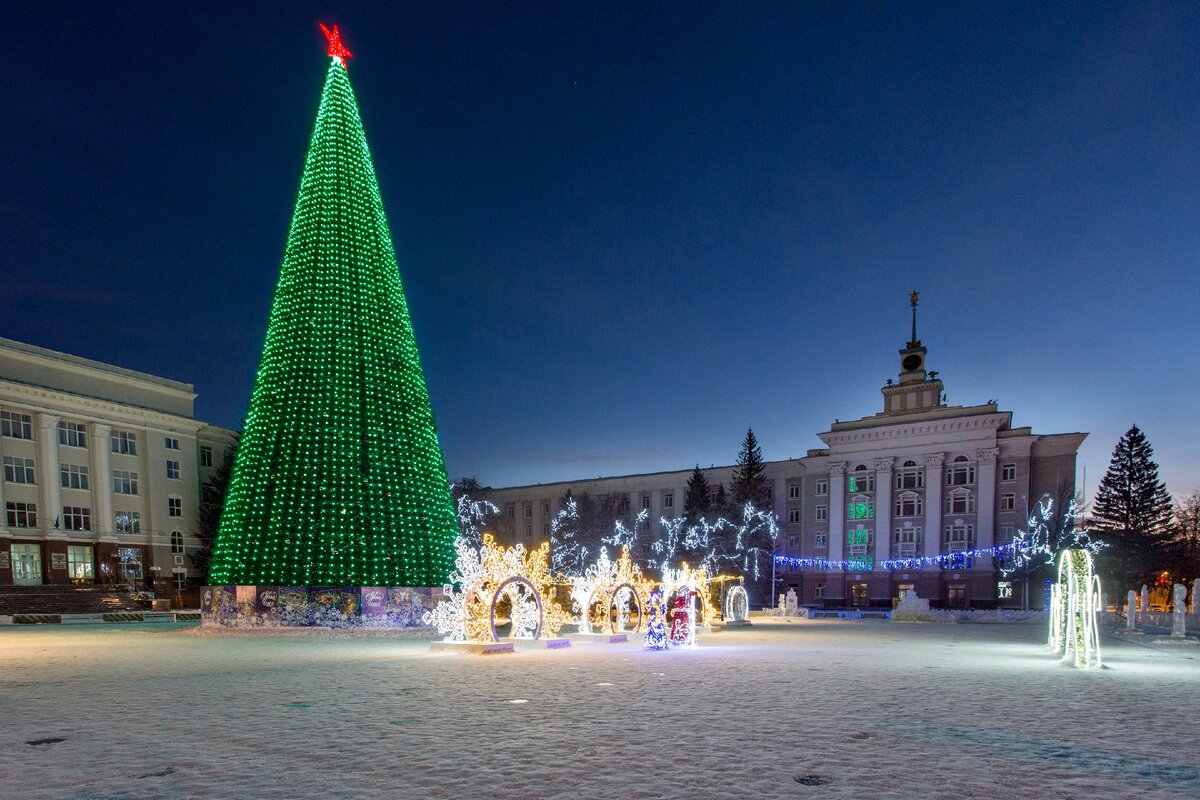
336,48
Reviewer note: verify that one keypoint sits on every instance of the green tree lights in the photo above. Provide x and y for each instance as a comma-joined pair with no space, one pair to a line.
339,478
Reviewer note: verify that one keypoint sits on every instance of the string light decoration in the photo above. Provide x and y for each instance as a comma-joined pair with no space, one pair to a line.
615,585
339,478
688,578
737,605
1075,601
482,578
656,623
956,560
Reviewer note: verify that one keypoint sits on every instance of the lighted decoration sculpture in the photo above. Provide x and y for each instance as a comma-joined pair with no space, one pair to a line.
1074,606
697,579
484,577
616,586
737,605
656,623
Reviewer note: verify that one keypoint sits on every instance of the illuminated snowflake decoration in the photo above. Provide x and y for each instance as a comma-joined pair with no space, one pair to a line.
482,578
1075,601
611,585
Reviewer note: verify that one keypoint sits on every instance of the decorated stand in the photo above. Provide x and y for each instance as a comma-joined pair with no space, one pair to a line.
606,596
1074,605
495,586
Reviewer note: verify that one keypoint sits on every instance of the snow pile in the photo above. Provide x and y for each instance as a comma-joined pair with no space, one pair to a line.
915,609
806,709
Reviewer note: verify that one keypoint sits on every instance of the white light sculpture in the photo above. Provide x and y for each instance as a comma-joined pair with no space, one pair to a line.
737,605
618,585
1074,605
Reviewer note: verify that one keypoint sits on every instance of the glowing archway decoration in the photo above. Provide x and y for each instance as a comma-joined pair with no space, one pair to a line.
1074,603
695,579
618,585
482,579
737,604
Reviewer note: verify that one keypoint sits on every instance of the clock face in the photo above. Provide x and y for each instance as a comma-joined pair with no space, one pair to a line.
911,362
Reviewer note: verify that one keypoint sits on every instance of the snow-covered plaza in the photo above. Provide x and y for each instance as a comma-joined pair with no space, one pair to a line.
782,709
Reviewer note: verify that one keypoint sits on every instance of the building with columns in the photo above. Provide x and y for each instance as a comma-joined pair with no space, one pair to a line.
920,478
103,469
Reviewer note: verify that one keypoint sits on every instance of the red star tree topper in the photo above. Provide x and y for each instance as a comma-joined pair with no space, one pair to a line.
336,48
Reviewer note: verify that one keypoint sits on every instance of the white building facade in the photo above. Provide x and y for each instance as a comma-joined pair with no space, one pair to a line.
103,471
921,478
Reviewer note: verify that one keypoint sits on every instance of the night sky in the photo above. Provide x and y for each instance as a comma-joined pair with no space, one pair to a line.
629,231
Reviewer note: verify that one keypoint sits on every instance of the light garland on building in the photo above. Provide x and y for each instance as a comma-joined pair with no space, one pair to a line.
953,560
482,578
1075,601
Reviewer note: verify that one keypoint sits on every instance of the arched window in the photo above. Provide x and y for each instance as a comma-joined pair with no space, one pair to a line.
910,476
862,479
960,473
910,504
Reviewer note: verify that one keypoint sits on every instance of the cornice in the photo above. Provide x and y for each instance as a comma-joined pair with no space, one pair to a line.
55,402
978,422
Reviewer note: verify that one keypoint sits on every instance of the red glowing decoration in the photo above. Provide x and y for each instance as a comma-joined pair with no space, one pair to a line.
336,48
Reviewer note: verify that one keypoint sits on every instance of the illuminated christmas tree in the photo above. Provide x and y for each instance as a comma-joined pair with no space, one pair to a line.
339,478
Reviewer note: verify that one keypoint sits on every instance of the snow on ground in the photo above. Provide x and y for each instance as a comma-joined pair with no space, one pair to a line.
864,709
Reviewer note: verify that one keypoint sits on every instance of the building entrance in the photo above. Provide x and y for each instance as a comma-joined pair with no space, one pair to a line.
956,595
27,564
858,595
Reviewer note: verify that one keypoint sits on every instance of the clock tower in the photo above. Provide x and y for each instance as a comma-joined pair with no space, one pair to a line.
912,358
917,390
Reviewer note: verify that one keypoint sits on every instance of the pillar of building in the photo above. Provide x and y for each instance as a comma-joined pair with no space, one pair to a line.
102,516
837,527
51,488
883,511
934,482
985,517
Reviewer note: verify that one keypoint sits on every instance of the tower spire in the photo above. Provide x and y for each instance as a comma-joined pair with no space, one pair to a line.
912,298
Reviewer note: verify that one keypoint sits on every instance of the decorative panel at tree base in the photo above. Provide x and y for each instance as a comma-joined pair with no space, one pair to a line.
317,606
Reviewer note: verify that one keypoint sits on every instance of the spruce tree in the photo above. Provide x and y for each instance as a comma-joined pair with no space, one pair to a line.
1133,516
720,506
749,477
697,501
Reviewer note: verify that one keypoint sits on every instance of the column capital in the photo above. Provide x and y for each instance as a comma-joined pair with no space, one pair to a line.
987,455
100,429
935,460
884,464
837,469
47,422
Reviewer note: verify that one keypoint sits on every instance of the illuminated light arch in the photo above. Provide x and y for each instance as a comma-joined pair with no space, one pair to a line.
482,579
737,605
616,584
1074,604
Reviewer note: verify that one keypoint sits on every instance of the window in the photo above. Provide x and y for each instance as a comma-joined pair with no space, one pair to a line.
171,443
668,501
128,521
124,442
18,470
793,541
176,541
125,482
76,518
960,473
910,504
793,515
1008,472
79,563
859,537
960,501
129,564
770,494
645,502
545,508
21,515
529,510
174,507
206,456
16,426
822,486
624,504
1007,533
528,531
910,476
73,476
72,434
959,534
822,540
862,480
173,470
822,512
1008,502
1004,590
908,535
546,529
180,581
819,591
510,511
793,491
861,507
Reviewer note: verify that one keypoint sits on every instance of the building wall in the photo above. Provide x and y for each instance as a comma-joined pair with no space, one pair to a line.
110,406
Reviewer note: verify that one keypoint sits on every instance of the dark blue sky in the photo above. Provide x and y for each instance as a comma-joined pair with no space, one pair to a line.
628,231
